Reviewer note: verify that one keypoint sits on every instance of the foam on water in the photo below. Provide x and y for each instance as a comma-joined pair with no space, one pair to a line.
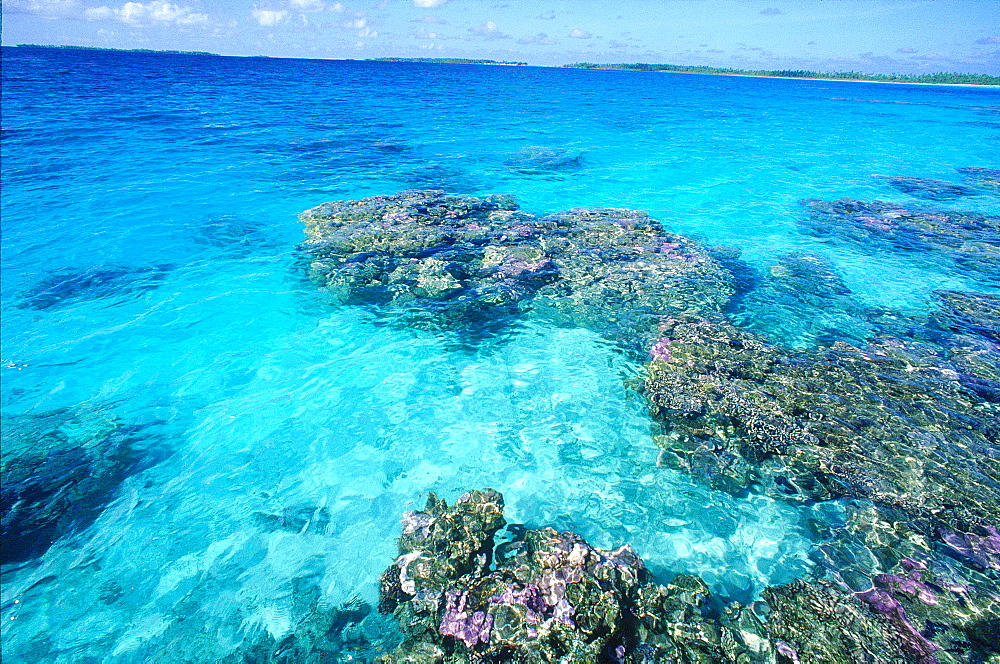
299,432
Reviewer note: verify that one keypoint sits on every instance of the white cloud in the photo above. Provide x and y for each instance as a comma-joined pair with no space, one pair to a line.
43,8
337,7
428,4
428,19
268,17
308,5
362,27
489,30
541,39
98,13
580,34
139,14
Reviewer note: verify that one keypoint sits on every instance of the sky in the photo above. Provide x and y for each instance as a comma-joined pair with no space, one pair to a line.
871,36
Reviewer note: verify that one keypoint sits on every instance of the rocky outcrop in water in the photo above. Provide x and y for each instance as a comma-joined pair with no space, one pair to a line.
542,596
890,423
459,262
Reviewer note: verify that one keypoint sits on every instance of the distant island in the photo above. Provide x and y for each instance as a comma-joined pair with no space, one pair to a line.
448,61
939,78
119,50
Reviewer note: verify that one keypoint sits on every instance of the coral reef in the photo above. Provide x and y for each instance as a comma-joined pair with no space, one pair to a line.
899,430
544,597
975,313
889,423
460,260
59,468
620,272
450,261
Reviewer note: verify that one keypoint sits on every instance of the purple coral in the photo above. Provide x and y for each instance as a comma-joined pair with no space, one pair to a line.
787,651
661,349
537,611
417,523
669,249
981,550
514,267
471,629
397,217
911,584
914,642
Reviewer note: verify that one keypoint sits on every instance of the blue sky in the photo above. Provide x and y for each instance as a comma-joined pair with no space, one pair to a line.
906,36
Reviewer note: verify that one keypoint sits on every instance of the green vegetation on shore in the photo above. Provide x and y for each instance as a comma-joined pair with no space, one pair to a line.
966,79
449,61
120,50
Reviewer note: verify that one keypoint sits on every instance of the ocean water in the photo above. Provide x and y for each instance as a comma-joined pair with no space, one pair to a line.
151,278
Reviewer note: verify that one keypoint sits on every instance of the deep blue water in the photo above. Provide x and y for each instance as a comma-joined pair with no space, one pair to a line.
151,278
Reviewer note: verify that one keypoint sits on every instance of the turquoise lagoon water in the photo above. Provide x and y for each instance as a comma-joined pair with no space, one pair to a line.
151,276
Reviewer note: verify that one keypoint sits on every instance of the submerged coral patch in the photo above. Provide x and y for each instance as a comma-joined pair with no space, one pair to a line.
547,161
967,239
801,301
985,178
59,469
113,284
934,190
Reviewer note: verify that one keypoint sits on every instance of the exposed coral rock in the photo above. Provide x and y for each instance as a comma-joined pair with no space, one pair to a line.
550,596
619,270
816,622
887,423
449,261
462,260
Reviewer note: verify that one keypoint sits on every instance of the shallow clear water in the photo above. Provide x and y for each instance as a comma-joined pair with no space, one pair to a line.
164,191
